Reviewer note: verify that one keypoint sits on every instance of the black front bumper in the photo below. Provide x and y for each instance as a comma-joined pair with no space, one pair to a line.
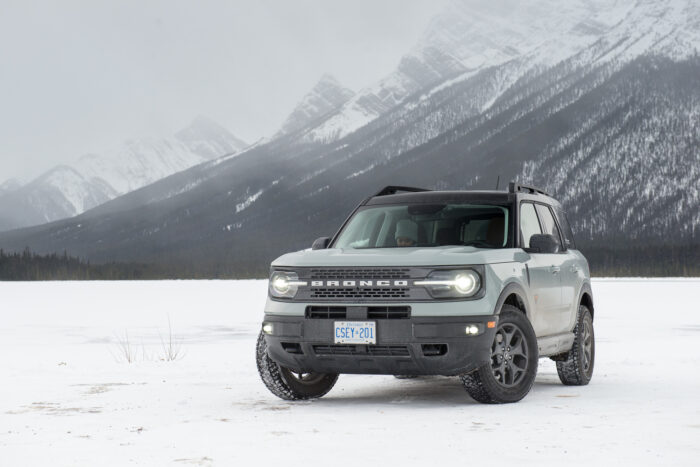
411,346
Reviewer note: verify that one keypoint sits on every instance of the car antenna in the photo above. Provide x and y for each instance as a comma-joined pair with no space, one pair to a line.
498,182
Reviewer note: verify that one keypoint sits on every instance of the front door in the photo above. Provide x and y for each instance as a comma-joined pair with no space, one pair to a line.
545,278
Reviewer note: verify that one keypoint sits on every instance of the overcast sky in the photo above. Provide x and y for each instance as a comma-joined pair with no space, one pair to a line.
82,76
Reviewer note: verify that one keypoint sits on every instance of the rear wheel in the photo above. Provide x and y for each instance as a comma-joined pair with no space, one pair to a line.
511,370
575,368
287,384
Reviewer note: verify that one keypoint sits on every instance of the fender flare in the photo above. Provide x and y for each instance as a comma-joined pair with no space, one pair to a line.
586,290
513,288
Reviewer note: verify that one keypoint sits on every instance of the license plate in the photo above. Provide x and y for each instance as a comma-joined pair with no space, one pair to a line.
355,332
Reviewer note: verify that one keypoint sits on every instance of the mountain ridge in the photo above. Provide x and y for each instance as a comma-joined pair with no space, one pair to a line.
96,178
578,127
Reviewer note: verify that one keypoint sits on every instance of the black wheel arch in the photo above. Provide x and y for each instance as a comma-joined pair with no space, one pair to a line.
586,297
513,294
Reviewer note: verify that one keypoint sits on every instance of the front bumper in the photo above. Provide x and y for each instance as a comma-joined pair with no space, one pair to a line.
411,346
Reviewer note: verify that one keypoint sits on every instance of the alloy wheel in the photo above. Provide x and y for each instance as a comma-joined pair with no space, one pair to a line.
509,355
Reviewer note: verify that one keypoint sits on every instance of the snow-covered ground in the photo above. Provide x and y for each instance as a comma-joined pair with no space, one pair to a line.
68,398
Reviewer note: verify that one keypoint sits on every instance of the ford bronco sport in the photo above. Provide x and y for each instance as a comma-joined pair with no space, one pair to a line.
475,284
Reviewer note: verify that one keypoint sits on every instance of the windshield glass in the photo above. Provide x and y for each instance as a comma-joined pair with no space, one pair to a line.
426,225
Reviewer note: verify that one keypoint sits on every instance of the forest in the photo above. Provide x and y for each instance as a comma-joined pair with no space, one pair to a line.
635,261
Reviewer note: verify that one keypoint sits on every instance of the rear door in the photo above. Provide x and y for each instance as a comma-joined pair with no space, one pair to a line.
545,283
573,272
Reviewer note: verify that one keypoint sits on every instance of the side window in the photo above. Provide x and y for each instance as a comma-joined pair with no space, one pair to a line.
529,225
565,228
548,224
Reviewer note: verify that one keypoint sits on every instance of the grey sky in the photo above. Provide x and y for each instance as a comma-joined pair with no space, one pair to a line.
81,76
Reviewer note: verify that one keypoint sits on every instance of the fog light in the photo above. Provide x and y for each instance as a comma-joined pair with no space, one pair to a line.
267,328
472,330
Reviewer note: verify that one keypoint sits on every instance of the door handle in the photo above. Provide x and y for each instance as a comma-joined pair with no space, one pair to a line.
575,268
554,269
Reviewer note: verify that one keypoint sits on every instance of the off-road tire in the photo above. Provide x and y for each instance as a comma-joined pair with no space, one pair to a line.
489,384
575,368
283,383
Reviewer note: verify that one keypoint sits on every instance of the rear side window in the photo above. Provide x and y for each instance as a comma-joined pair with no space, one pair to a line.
565,228
548,224
529,225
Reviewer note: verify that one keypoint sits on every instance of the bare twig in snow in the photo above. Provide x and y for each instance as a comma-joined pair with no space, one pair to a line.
172,347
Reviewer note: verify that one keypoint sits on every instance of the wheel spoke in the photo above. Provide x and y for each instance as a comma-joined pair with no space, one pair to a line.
520,363
509,362
517,374
509,337
518,350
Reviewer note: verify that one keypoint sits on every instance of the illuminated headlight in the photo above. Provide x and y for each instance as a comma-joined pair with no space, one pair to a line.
284,284
452,284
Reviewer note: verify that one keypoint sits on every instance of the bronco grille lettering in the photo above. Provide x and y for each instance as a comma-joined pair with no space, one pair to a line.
360,283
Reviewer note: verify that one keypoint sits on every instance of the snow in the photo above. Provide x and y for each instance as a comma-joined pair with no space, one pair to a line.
248,201
66,400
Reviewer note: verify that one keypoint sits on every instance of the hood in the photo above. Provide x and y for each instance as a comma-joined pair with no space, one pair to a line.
433,256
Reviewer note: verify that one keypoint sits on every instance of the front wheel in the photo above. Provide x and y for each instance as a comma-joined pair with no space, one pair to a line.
289,385
511,370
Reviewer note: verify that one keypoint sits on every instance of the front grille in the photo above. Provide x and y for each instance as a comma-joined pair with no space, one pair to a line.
373,312
326,312
357,273
388,312
347,284
364,292
372,350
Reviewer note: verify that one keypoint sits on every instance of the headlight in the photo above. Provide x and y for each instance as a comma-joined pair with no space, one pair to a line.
284,284
452,284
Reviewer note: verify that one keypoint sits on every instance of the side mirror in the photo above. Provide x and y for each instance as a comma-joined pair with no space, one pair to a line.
544,243
320,243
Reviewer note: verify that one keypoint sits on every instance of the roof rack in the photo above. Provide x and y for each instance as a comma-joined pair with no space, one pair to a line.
392,190
519,187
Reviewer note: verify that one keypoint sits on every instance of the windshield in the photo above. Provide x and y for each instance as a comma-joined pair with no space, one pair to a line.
426,225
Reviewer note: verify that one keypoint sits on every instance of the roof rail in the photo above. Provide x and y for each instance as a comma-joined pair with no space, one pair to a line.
519,187
392,190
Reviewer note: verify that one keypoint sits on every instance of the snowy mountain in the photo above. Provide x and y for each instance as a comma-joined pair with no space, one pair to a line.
603,112
66,191
10,184
61,192
326,96
142,161
470,36
209,140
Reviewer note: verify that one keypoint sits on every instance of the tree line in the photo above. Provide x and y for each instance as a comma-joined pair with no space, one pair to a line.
635,261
